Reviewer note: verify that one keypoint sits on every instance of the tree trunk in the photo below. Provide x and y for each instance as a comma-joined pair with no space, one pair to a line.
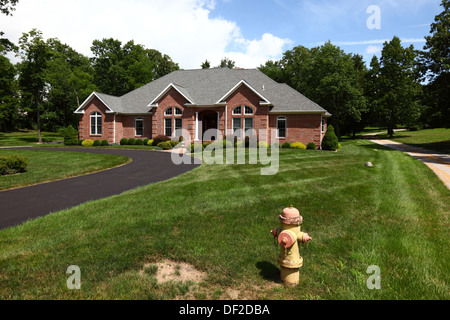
390,132
38,121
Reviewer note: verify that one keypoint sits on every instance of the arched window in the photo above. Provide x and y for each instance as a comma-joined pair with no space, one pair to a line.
237,110
178,112
248,110
139,125
96,124
169,112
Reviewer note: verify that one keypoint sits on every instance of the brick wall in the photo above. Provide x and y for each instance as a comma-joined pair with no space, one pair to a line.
244,96
107,122
304,128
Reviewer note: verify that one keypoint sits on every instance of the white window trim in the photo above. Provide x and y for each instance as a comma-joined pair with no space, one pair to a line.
165,126
240,126
322,123
237,114
253,124
248,114
135,126
96,115
171,112
278,129
175,112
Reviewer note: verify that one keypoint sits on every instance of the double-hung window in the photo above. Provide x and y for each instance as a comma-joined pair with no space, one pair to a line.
168,127
96,123
237,125
248,124
139,127
178,126
281,127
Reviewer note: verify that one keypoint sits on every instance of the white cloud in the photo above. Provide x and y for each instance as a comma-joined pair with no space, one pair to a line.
373,49
183,29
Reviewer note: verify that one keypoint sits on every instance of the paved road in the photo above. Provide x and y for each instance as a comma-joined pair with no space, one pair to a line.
20,205
438,162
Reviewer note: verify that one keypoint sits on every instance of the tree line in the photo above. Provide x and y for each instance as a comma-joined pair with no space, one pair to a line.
404,86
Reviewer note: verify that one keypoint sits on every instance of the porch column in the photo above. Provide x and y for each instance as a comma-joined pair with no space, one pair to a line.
196,128
226,121
218,126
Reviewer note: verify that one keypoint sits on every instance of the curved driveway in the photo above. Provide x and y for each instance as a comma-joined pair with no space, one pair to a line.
20,205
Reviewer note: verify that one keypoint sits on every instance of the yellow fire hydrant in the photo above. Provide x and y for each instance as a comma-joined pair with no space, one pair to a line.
289,237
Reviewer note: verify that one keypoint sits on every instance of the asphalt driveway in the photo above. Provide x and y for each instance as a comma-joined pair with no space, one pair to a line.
20,205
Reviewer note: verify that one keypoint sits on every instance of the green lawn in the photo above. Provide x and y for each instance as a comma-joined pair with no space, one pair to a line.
432,139
218,218
26,138
44,166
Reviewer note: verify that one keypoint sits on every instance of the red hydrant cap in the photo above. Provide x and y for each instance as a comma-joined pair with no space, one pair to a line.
286,239
291,216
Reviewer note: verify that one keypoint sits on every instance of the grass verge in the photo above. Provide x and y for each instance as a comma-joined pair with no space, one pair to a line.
45,166
218,219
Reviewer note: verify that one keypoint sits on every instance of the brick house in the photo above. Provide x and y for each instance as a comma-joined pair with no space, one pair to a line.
197,100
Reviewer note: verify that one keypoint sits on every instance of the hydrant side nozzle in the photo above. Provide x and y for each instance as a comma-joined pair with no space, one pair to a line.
274,232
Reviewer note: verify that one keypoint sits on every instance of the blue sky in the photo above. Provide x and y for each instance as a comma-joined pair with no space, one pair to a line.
248,31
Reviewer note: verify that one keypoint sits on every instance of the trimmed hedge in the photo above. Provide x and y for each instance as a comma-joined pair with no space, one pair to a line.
123,141
97,143
139,142
298,145
286,145
131,141
12,164
87,143
160,139
104,143
166,145
311,146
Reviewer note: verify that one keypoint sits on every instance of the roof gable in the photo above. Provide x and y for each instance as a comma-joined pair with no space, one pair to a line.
237,86
110,102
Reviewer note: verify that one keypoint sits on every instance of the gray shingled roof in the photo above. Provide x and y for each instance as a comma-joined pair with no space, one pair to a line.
207,86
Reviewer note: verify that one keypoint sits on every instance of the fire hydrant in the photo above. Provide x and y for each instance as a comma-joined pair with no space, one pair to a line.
289,237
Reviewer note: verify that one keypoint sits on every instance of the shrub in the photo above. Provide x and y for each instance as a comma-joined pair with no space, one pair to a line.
145,142
12,164
150,142
232,138
97,143
104,143
70,136
123,141
139,142
166,145
248,139
206,144
311,146
131,141
263,144
80,143
276,145
174,143
286,145
298,145
88,143
193,147
160,139
330,141
114,144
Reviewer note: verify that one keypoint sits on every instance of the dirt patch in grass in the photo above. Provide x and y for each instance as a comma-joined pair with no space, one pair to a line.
176,271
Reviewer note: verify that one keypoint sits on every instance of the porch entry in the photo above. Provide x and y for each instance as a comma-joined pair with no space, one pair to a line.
207,120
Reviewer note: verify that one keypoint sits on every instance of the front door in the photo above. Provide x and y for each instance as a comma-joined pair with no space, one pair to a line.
210,122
